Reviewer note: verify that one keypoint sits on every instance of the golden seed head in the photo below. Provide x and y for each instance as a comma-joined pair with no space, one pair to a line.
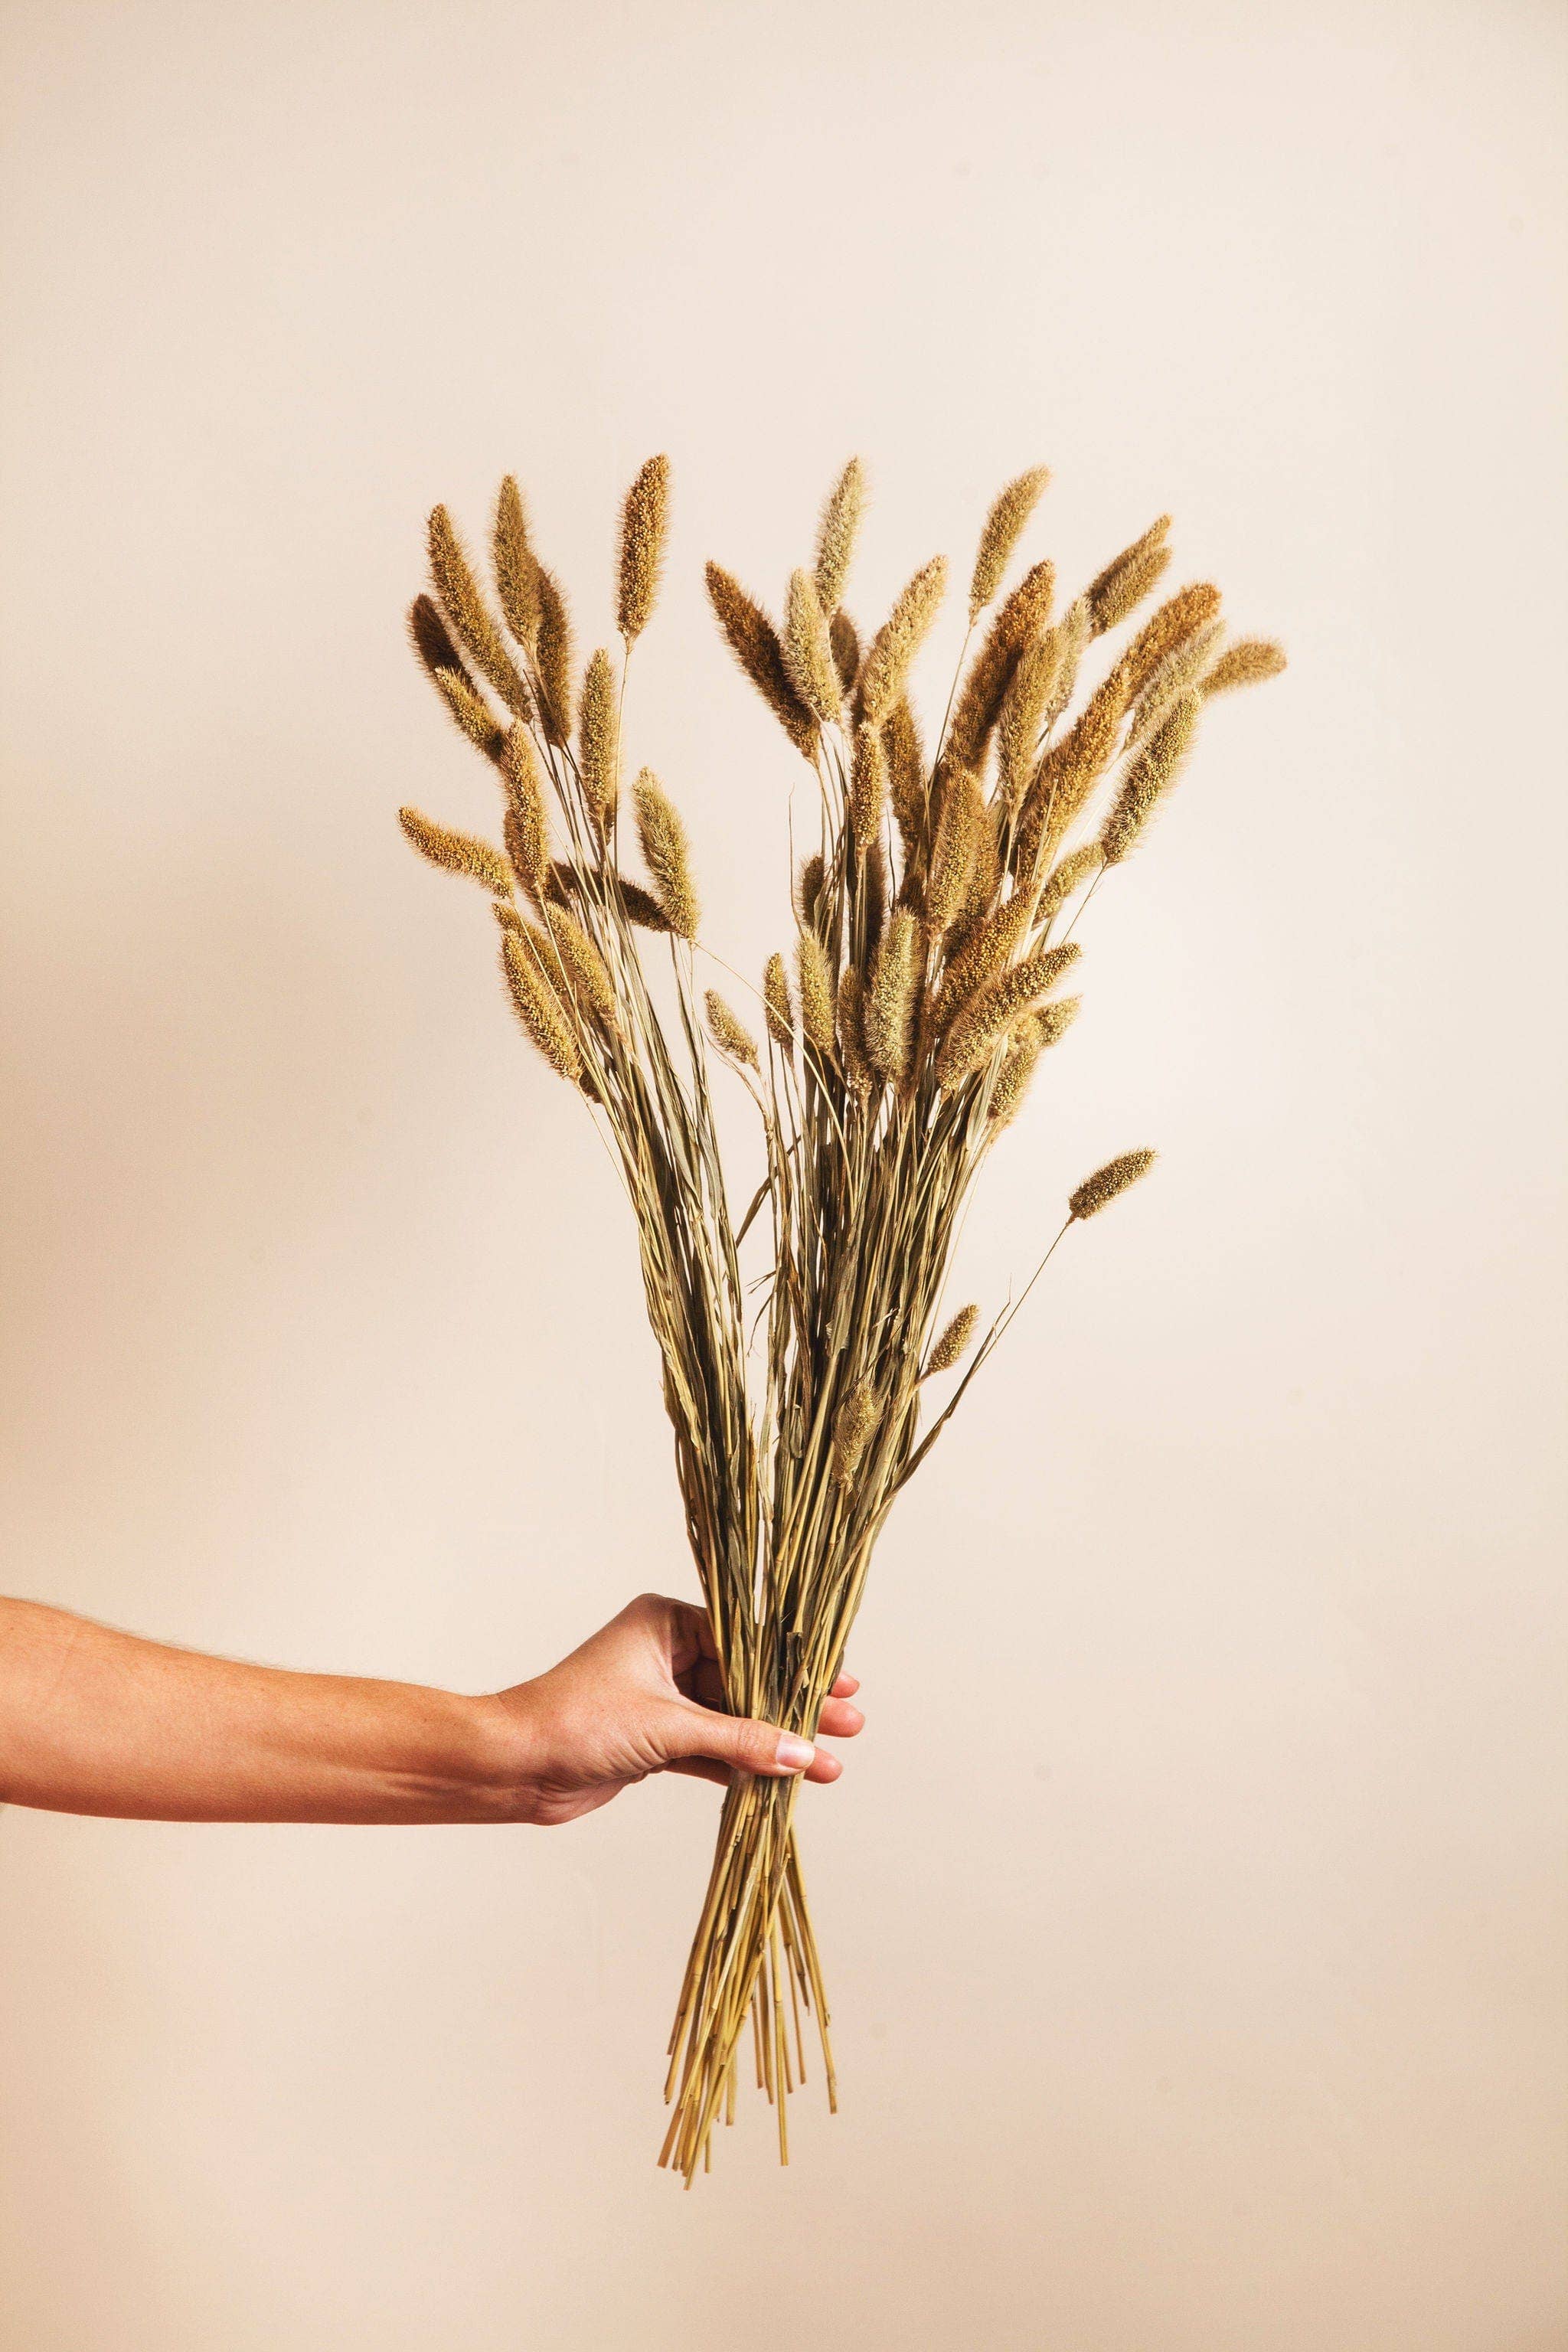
992,1011
776,1007
1004,528
906,773
471,711
537,1006
1023,716
642,908
852,1031
1182,667
1070,770
598,741
527,832
644,520
1190,608
960,820
808,881
888,1007
457,852
899,640
816,985
868,786
955,1338
586,971
516,568
1053,1021
808,652
468,613
852,1428
755,642
836,534
1014,1077
1018,621
845,639
1070,874
554,658
730,1034
1112,593
663,839
1246,662
430,637
982,956
1148,778
1097,1192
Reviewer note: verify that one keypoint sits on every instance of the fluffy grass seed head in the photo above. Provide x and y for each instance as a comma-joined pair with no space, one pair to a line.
1052,1020
729,1033
642,908
816,985
868,786
1097,1192
888,1007
1018,621
808,650
852,1050
836,534
954,1338
810,876
553,657
1191,608
906,773
598,740
469,615
1070,874
983,955
1182,667
993,1009
664,849
586,975
1127,578
1246,663
1023,716
960,818
1016,1075
755,642
852,1427
516,566
845,639
896,642
526,829
777,1010
536,1004
457,852
643,522
1004,528
1148,778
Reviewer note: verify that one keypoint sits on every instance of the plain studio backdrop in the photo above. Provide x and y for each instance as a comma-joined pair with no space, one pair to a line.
1195,1906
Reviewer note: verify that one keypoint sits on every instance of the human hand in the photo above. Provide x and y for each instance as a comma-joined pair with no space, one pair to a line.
644,1696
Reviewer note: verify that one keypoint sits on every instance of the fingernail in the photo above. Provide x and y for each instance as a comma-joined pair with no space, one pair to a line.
792,1755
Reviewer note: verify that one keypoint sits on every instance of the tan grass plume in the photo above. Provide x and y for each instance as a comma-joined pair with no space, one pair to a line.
1004,528
643,522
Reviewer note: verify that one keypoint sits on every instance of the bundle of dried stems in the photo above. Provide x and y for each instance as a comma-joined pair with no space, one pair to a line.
897,1039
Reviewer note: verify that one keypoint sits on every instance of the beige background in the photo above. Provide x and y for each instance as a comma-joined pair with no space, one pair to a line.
1195,1906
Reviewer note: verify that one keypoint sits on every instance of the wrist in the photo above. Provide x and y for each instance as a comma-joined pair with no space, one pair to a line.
497,1756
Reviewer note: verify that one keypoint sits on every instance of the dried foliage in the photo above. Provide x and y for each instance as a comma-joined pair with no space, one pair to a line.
926,957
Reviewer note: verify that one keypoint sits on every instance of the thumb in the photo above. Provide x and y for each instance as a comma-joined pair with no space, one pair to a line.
735,1741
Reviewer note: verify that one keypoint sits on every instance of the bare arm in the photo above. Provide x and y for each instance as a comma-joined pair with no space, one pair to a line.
95,1721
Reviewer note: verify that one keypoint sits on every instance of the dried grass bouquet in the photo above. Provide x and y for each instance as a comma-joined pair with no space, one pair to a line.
931,939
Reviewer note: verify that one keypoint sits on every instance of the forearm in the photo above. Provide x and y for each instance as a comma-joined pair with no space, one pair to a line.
94,1721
